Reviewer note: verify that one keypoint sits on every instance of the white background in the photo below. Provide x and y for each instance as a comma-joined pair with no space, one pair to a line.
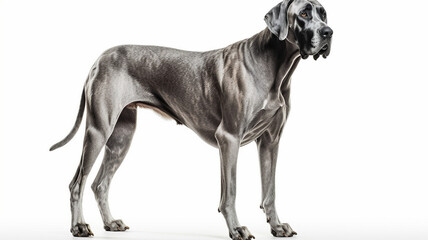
353,158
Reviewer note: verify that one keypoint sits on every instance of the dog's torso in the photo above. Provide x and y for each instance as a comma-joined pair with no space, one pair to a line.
246,83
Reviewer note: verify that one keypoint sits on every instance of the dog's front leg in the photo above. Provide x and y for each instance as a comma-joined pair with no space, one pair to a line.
229,146
267,145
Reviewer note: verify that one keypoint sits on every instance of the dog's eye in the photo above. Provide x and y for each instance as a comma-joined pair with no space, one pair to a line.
303,14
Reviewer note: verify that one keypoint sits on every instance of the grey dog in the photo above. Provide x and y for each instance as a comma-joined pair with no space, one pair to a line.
229,97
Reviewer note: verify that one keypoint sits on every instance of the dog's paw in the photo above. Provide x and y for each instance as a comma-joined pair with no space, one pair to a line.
116,225
241,233
283,230
81,230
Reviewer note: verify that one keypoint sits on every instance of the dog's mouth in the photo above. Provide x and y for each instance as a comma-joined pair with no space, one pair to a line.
324,52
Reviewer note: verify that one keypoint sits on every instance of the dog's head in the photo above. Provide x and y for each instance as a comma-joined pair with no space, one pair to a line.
304,23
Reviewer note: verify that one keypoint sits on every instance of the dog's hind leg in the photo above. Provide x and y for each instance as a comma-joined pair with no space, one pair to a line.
99,126
115,151
93,143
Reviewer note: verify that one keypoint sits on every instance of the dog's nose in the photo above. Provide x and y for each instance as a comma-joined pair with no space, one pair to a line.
326,32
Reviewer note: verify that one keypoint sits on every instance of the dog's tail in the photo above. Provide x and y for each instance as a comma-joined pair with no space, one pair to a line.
75,127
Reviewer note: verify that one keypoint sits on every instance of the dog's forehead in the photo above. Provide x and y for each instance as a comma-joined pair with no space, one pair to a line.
301,3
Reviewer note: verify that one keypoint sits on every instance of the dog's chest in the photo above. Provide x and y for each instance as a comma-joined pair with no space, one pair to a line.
263,116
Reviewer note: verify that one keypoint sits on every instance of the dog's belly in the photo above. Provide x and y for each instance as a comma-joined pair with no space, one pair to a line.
204,126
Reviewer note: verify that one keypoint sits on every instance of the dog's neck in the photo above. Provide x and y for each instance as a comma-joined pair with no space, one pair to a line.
281,57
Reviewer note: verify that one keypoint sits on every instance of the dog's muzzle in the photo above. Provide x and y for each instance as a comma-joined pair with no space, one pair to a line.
326,33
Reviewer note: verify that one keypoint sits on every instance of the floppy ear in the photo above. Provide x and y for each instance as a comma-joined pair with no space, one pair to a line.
277,20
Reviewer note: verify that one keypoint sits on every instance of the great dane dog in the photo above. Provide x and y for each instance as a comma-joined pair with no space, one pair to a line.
229,97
